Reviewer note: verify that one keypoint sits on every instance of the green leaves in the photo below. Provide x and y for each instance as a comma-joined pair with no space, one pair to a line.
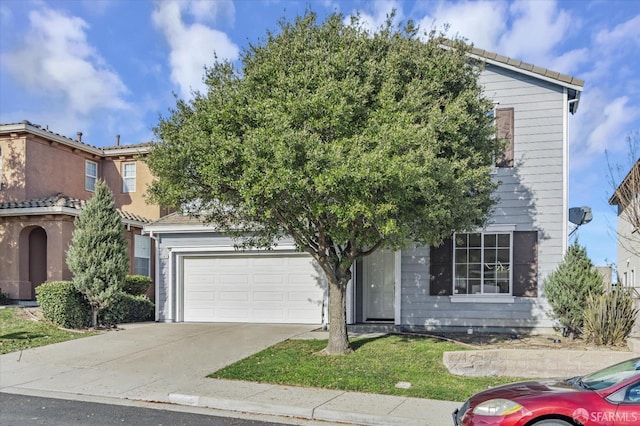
343,139
98,256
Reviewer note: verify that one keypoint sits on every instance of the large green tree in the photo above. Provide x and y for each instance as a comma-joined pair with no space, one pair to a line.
98,256
345,140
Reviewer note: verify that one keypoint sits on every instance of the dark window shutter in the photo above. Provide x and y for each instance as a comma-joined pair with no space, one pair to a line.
525,263
504,127
441,267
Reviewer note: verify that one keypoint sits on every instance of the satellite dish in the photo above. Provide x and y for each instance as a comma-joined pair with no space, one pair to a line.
580,215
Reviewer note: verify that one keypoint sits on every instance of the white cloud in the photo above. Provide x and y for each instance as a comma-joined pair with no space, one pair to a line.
536,28
58,61
614,117
380,9
626,33
480,22
193,46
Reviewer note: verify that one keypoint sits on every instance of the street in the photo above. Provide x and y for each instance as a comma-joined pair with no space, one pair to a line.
19,410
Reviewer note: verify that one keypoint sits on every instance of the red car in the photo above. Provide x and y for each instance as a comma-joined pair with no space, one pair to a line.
608,397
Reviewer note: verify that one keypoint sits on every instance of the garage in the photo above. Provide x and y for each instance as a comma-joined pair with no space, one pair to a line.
256,288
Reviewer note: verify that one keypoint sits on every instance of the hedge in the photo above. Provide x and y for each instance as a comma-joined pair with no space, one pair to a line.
136,285
128,308
65,306
62,304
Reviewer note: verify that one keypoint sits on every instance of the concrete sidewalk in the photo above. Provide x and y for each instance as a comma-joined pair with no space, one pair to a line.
167,363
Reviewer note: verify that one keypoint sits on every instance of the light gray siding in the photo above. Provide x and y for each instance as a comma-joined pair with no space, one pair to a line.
531,196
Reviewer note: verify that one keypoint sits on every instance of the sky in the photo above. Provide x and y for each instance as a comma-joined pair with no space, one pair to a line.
109,67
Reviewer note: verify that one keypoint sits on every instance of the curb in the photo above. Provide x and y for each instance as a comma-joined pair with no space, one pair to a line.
317,413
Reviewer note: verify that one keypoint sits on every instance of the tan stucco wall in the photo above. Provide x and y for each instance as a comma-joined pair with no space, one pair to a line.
131,202
13,168
14,272
14,267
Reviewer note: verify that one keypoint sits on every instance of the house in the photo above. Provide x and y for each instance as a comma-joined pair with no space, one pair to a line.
627,200
489,280
44,180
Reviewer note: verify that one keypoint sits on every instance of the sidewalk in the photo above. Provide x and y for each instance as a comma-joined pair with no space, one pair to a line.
167,364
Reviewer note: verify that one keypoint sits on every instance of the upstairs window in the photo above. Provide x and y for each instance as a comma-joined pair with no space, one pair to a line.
504,118
128,177
482,263
0,168
90,175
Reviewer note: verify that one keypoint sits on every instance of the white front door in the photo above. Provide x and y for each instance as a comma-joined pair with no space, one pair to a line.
379,285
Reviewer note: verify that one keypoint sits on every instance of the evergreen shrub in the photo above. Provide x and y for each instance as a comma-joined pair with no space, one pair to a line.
63,305
128,308
568,287
136,284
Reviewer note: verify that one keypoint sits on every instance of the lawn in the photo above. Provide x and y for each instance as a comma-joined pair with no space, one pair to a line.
17,332
376,366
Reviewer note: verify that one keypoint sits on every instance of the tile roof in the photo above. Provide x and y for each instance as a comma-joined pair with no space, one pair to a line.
64,201
561,78
27,125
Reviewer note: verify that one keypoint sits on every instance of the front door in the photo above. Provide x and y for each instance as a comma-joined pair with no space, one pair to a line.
379,286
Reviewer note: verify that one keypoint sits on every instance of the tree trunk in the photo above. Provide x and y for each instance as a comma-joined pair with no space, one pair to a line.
338,338
94,317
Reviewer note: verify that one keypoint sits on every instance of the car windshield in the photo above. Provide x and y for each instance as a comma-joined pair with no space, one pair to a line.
612,375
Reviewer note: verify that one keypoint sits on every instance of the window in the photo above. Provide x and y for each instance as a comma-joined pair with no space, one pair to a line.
482,263
504,132
90,175
0,168
142,255
128,177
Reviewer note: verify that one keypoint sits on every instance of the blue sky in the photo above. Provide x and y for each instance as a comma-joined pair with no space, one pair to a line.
107,67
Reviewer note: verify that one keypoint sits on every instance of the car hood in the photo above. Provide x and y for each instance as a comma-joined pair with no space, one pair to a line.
523,390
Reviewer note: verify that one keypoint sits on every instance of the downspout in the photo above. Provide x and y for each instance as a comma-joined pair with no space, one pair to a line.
156,273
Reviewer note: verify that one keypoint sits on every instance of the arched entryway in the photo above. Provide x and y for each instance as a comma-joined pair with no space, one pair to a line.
33,256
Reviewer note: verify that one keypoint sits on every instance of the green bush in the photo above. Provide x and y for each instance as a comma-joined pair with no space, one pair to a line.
128,308
568,287
63,305
609,317
136,285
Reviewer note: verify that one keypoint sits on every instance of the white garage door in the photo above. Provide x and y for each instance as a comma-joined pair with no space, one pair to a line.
258,288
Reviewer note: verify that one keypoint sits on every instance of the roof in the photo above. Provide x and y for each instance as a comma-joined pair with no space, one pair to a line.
634,174
573,85
178,223
562,79
36,129
62,204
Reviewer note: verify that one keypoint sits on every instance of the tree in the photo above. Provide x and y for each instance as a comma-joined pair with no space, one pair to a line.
344,140
624,180
98,255
568,287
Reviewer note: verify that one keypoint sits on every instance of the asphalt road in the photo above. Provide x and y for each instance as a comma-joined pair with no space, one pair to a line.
19,410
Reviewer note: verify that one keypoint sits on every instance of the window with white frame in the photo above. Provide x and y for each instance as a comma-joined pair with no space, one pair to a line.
482,263
142,255
90,175
128,177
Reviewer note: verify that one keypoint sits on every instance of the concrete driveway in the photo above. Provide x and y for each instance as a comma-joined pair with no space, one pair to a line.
142,362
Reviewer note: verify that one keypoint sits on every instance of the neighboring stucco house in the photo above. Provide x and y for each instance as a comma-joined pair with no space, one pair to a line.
488,280
44,180
627,200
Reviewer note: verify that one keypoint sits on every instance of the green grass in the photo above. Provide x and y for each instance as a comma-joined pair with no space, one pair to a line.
375,367
18,333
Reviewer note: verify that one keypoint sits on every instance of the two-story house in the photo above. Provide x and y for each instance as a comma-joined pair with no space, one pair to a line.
44,180
489,280
626,197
